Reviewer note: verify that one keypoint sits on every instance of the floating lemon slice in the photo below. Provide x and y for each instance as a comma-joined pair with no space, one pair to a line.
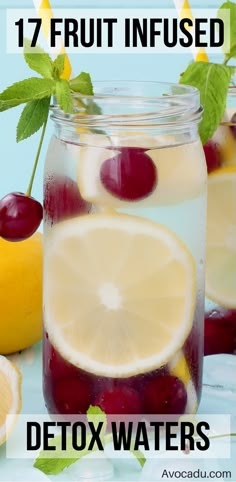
221,237
126,139
119,293
10,398
181,169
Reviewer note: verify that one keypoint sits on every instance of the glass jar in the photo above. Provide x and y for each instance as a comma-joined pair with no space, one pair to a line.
220,309
124,252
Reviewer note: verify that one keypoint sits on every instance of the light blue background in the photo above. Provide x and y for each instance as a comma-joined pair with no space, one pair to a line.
16,160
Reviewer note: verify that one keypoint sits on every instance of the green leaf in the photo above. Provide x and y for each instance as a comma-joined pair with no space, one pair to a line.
231,7
64,96
92,108
82,84
38,60
233,51
231,54
58,66
212,80
96,415
25,91
54,465
34,115
138,454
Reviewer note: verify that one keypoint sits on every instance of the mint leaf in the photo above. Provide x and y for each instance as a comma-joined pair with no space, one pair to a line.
25,91
230,55
38,60
231,7
56,464
212,80
82,84
96,415
53,466
138,455
97,411
64,96
58,66
34,115
92,108
232,52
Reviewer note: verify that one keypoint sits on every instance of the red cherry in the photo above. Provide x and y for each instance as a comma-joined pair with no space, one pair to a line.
138,382
62,199
220,331
233,128
20,216
54,364
130,175
71,396
165,395
212,154
119,400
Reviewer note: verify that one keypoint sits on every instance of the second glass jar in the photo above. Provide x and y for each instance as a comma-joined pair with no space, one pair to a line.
220,308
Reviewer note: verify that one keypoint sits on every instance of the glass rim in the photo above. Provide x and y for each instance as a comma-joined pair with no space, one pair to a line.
186,89
144,103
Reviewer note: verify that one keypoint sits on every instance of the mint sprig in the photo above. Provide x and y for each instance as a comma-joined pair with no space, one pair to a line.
36,92
212,80
53,465
56,464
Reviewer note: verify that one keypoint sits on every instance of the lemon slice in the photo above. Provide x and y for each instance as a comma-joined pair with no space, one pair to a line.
126,139
221,237
10,399
119,293
181,169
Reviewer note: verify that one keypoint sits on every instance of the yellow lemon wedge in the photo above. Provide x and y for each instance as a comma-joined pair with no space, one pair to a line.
221,237
10,399
119,293
20,293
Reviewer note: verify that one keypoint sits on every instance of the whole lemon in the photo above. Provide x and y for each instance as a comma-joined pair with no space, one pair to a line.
20,293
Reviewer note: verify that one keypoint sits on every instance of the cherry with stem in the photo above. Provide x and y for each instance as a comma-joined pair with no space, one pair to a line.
21,214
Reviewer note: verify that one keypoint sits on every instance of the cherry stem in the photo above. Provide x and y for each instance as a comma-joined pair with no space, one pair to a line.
220,436
28,192
223,435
